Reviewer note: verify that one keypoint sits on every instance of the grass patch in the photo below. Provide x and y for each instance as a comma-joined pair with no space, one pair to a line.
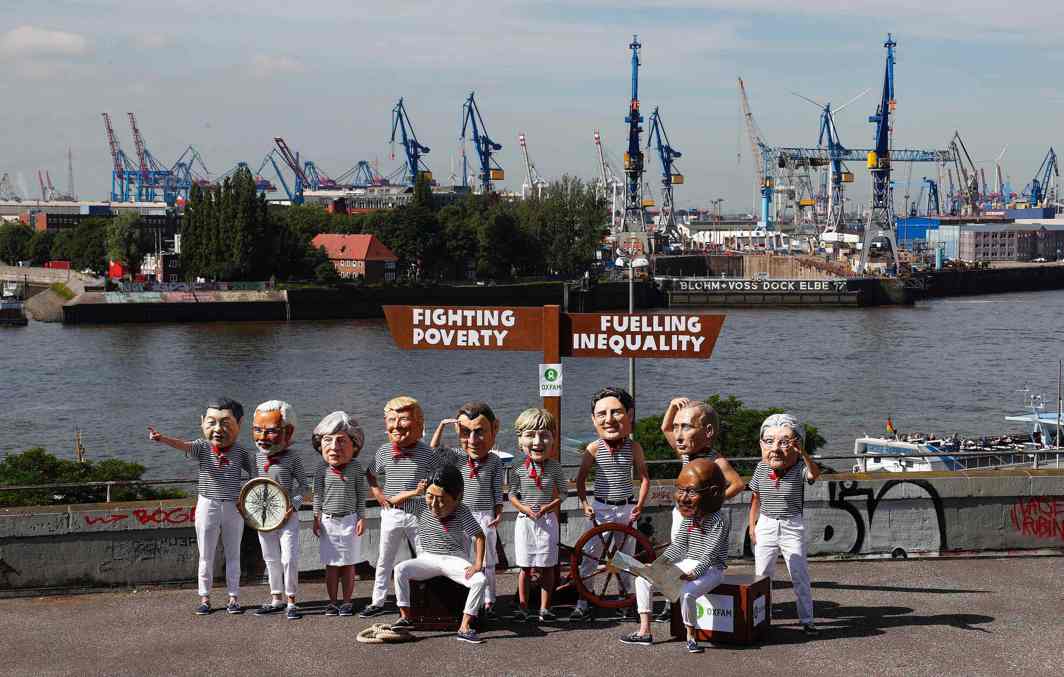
62,290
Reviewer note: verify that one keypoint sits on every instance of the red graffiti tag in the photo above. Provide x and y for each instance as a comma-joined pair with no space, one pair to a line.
1041,517
160,516
105,519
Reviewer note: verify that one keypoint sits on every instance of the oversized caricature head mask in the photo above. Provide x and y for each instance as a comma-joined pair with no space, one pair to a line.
782,437
221,423
699,489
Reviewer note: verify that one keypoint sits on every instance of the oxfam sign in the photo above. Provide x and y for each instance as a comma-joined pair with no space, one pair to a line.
550,380
715,612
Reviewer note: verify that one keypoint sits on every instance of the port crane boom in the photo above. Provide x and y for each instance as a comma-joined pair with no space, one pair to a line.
670,176
634,214
413,149
490,170
762,155
533,181
123,174
1043,187
612,187
881,213
292,160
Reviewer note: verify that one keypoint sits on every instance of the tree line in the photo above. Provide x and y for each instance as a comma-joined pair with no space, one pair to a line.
229,232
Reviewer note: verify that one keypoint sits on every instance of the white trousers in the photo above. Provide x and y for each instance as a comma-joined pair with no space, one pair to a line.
604,512
786,536
692,590
280,551
427,565
214,518
484,518
397,527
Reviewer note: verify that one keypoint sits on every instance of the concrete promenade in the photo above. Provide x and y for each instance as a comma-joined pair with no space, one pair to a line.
968,616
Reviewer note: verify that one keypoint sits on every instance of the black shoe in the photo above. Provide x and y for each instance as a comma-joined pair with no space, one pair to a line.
488,614
665,616
292,613
267,609
347,610
203,609
371,610
403,624
580,615
234,607
636,638
810,630
332,610
520,615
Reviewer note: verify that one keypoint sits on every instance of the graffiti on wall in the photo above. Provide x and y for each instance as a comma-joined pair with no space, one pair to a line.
1040,517
847,497
144,517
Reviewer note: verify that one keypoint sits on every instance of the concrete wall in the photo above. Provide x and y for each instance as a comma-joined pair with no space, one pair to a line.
916,514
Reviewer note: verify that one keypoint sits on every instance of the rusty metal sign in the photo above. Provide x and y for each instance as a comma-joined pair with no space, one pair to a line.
662,335
465,328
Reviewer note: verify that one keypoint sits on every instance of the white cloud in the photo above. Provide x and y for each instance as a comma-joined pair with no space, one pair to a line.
30,41
266,65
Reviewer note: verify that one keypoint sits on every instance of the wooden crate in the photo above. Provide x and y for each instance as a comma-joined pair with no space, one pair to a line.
738,611
437,603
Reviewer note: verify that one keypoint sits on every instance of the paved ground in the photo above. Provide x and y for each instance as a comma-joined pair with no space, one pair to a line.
914,617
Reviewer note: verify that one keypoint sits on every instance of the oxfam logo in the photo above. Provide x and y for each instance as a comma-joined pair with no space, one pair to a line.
550,375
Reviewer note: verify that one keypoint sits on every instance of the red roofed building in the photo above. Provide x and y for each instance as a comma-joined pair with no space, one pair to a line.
358,256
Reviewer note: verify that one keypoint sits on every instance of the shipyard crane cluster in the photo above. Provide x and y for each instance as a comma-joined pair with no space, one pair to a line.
483,145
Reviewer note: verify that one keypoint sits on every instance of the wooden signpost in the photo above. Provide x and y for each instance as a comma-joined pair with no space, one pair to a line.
556,334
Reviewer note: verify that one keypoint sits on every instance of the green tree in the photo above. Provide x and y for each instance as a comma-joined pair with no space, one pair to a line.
39,247
14,238
127,243
738,436
37,466
85,245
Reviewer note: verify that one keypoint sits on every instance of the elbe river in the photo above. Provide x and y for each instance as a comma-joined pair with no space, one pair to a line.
947,365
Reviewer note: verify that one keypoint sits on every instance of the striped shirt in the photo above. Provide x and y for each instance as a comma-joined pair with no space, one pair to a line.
613,472
217,479
452,536
705,540
343,493
286,469
483,479
403,473
781,497
551,477
710,456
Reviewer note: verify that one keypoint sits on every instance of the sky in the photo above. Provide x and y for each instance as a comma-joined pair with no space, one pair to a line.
227,77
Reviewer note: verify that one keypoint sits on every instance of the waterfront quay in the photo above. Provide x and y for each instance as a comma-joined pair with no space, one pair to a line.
971,616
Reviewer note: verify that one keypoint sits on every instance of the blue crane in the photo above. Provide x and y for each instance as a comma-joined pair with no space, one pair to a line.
186,174
881,215
415,166
633,159
362,175
292,160
1041,188
659,139
490,170
317,179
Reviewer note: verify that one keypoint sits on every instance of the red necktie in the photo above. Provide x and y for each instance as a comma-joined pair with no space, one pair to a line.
338,470
532,472
444,521
694,523
774,477
223,460
270,460
614,447
398,453
473,474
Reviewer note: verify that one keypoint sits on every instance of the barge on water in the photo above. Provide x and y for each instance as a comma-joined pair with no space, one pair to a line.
12,308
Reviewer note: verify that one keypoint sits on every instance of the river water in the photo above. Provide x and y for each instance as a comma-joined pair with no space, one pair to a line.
944,365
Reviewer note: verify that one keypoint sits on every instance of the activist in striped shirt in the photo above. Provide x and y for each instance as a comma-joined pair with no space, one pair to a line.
222,466
445,527
537,489
477,427
614,456
339,505
776,517
273,429
700,549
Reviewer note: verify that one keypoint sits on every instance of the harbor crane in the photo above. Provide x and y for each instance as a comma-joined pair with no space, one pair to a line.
881,211
123,173
7,189
151,177
670,176
634,214
762,158
838,173
189,170
292,161
362,175
490,170
413,149
968,197
1042,190
612,186
533,181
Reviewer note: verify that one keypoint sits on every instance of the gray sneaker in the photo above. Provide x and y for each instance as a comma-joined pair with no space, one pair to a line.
469,636
636,638
234,607
580,615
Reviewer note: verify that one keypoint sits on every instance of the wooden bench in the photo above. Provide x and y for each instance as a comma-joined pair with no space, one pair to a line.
738,611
